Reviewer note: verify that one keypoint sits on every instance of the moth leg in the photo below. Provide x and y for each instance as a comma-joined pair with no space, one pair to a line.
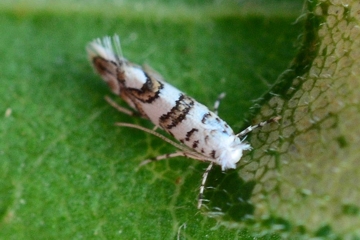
251,128
217,102
178,146
119,108
208,169
164,156
202,186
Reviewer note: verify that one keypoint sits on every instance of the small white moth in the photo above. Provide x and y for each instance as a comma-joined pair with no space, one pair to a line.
203,135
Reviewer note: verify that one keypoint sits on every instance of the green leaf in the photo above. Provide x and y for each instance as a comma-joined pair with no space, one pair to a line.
67,172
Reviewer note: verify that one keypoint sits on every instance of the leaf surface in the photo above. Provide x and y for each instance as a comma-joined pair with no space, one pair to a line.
67,172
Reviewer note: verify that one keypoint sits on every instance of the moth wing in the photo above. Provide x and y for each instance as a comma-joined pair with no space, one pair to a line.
153,73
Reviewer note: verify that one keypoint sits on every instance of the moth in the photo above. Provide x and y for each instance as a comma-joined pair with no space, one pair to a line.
201,133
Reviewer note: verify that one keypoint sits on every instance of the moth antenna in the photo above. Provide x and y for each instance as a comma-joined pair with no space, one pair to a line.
259,125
